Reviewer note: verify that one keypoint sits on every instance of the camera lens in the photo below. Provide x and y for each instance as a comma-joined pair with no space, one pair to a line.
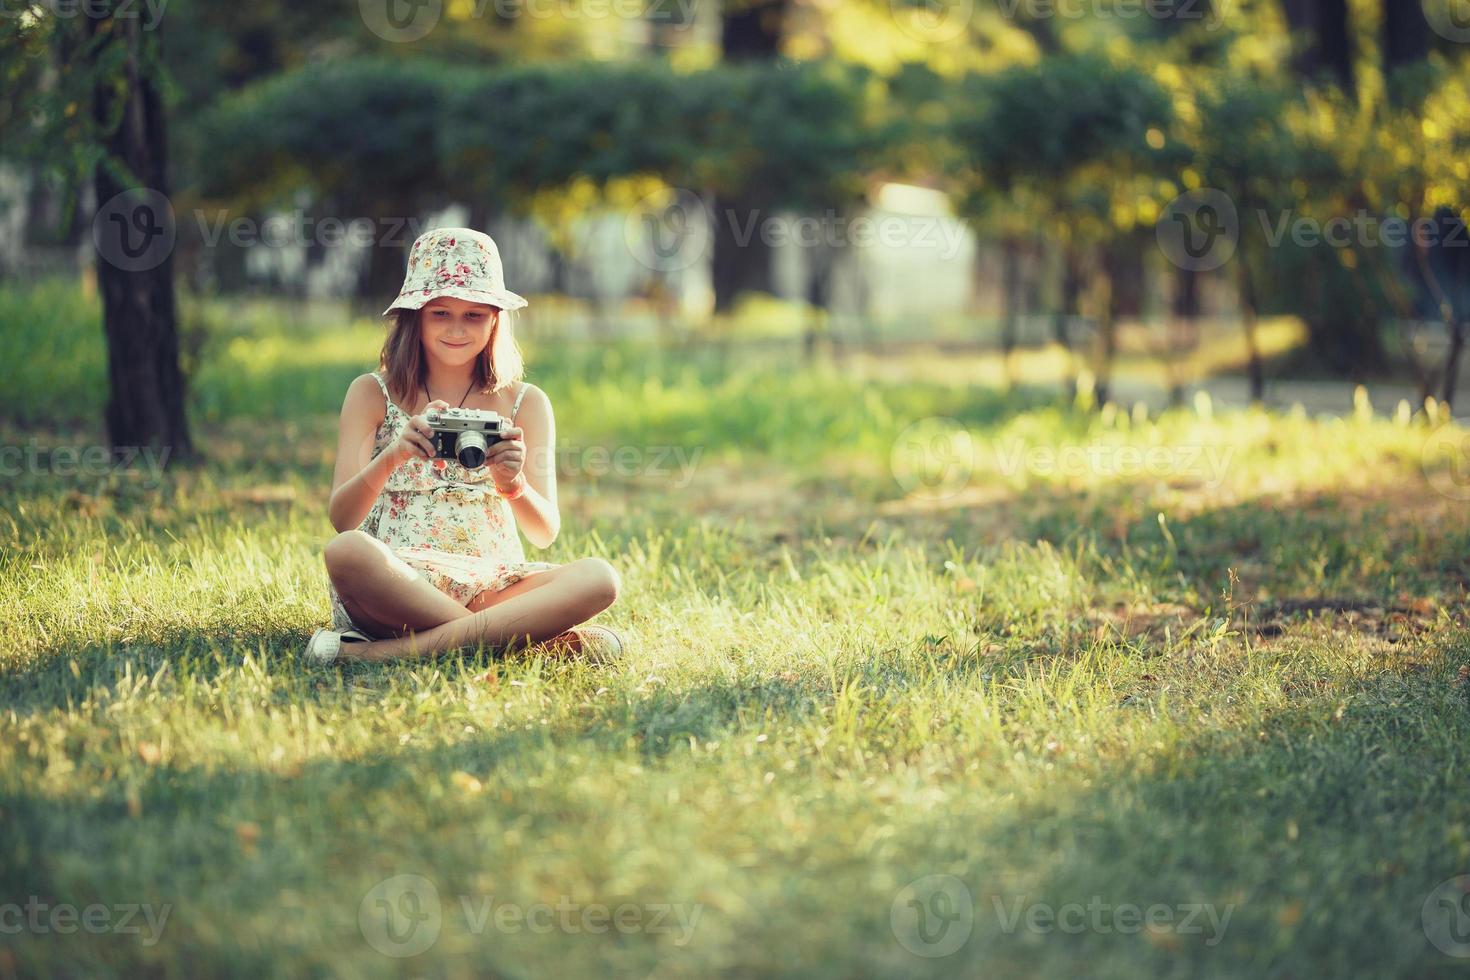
470,448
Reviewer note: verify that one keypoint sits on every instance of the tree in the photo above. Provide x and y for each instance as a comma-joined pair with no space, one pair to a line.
1241,146
750,31
100,116
362,135
1323,48
1071,146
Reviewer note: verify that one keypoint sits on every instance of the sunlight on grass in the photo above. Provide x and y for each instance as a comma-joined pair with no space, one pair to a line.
1080,670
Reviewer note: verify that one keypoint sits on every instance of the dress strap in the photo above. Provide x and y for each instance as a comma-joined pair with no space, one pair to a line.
517,406
386,397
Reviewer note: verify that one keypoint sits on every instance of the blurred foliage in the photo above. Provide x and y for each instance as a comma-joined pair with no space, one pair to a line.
1070,132
795,135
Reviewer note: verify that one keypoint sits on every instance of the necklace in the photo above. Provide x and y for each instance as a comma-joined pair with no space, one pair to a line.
462,398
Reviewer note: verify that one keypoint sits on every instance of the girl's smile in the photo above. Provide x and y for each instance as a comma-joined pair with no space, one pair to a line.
457,330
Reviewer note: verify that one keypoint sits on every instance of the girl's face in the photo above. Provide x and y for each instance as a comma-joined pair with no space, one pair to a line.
455,331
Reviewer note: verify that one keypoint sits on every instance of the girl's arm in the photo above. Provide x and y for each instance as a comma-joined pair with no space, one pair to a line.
537,514
359,476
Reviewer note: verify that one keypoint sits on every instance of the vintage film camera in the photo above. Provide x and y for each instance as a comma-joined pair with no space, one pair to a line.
463,434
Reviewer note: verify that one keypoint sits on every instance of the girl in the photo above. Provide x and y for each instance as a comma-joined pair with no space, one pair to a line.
428,558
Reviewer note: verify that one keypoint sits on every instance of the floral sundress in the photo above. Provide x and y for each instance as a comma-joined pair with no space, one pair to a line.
451,526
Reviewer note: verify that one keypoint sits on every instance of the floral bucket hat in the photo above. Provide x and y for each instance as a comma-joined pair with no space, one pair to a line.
458,262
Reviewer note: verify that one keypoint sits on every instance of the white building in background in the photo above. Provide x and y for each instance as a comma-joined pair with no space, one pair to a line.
902,265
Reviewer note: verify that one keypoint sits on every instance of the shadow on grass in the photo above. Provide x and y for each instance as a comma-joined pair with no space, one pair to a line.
1306,845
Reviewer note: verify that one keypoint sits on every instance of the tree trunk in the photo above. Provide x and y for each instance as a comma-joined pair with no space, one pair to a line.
820,259
1122,282
1325,46
135,237
1010,292
1070,293
1404,41
1405,35
1452,362
1184,329
750,30
742,259
1245,284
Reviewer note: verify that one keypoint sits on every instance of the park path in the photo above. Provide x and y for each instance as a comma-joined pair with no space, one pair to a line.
1317,397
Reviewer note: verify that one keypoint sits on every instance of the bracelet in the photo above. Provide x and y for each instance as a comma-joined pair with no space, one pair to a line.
517,491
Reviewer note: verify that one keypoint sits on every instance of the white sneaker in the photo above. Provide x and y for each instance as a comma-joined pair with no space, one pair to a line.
326,644
592,642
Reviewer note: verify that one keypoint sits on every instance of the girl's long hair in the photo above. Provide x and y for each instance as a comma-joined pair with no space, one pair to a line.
402,358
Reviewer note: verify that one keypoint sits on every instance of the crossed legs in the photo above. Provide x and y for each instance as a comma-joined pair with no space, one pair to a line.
389,598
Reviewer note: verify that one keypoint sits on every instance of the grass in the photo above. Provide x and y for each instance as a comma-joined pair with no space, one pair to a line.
1232,694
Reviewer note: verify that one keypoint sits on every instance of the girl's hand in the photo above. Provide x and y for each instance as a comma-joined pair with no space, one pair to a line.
507,457
416,438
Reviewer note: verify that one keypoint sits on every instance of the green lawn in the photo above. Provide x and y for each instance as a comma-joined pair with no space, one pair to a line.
1200,713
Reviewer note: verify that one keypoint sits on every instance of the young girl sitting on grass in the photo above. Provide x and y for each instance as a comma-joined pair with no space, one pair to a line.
428,559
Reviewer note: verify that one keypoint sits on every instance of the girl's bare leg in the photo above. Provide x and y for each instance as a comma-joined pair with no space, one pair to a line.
564,597
381,591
